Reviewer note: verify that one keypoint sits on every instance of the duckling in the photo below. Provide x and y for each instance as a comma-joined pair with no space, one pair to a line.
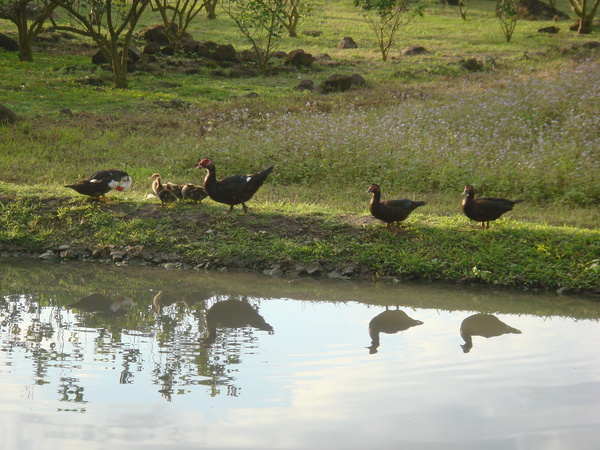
161,191
193,193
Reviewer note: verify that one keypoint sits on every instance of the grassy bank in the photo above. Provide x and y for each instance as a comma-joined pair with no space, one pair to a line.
292,238
526,126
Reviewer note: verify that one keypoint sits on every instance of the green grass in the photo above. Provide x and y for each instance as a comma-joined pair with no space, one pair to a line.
524,127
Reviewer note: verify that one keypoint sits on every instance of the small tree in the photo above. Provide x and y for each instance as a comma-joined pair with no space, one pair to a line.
294,12
388,17
110,23
176,16
506,11
29,17
261,23
586,17
463,7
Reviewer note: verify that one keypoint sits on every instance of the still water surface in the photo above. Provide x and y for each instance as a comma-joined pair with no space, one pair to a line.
244,361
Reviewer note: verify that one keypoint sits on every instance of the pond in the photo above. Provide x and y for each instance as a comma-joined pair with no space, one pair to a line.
96,357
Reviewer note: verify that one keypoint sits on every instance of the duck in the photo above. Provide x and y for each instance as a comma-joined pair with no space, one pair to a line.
103,305
390,322
175,189
233,313
101,182
485,209
193,193
164,194
156,183
232,190
390,211
485,325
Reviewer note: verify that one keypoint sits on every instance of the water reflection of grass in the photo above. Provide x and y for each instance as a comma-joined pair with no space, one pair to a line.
58,285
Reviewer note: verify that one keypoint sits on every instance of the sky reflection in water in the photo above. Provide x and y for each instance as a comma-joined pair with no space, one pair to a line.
142,379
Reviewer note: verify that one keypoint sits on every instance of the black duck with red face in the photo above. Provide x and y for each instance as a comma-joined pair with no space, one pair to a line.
390,211
101,182
232,190
485,209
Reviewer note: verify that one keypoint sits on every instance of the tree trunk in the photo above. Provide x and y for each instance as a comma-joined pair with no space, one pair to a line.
20,20
211,9
119,68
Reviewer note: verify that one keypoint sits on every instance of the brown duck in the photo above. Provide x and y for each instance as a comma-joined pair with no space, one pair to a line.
193,193
485,209
176,189
99,183
161,191
232,190
390,211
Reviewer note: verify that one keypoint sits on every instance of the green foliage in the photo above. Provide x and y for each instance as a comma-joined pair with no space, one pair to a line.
388,17
261,22
507,13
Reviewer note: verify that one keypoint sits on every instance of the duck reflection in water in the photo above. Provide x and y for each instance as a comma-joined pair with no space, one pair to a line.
103,305
485,325
233,313
390,322
163,300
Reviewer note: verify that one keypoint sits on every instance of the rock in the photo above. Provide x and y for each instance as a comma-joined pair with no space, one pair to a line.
299,58
323,57
347,42
118,255
358,80
349,269
274,271
591,45
308,85
336,275
549,30
471,65
7,116
314,269
298,270
69,254
224,52
156,33
415,50
205,49
337,83
49,254
537,10
8,43
279,54
152,48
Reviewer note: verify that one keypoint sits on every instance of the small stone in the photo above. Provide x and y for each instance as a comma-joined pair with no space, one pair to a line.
117,254
47,255
314,269
273,271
